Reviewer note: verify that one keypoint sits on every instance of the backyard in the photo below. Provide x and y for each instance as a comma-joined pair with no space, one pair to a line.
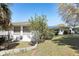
58,40
65,45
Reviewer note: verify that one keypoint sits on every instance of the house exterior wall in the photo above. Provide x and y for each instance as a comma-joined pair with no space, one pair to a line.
26,36
20,34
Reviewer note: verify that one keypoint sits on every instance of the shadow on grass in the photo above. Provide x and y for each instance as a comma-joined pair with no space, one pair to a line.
71,40
12,45
7,46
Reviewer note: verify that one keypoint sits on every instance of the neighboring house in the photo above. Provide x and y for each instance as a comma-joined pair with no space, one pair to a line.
61,30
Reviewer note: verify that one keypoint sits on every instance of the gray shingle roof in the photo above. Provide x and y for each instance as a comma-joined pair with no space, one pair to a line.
20,23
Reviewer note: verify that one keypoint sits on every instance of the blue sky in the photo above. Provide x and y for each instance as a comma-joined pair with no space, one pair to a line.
23,11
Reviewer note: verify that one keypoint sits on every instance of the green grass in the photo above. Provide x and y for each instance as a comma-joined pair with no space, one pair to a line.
66,45
22,44
14,45
48,48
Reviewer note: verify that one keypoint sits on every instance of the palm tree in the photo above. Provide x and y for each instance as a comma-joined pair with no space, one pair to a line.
5,15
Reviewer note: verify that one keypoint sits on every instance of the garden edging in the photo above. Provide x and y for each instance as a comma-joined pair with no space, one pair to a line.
13,51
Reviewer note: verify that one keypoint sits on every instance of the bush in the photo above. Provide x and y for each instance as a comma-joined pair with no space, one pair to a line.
2,40
56,32
65,32
49,35
32,43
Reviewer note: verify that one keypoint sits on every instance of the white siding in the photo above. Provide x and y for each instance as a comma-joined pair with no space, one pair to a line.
26,36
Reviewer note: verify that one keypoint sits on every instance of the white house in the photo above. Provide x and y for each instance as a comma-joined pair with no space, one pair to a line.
21,31
61,32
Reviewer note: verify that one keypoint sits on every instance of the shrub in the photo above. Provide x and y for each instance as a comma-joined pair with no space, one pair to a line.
65,32
2,40
56,31
49,35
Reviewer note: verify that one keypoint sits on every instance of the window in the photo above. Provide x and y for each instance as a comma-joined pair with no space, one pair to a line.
25,29
17,29
0,28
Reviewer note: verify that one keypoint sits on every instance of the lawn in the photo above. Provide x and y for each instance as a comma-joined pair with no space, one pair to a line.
22,44
14,45
66,45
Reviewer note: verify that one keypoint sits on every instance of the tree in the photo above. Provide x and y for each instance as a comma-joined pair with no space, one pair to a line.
5,15
39,25
69,13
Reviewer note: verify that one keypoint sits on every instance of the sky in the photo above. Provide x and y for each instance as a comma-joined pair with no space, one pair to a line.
21,12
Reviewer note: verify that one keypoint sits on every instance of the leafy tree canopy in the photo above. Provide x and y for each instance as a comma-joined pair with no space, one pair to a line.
39,24
69,13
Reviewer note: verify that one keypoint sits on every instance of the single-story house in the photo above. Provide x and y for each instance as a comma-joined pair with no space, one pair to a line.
61,30
19,31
